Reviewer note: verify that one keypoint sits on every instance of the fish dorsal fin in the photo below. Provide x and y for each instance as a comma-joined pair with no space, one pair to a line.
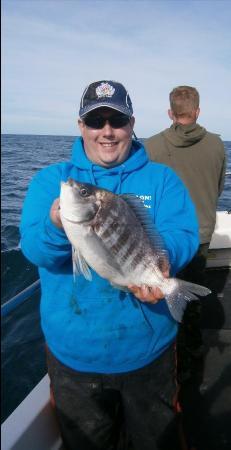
80,266
145,218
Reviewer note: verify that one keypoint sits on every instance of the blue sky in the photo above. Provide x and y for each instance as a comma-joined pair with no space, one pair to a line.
51,49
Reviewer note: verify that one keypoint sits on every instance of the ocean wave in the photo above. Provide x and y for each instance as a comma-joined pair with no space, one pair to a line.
10,237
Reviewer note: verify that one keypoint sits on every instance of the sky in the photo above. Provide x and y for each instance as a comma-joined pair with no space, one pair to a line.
52,49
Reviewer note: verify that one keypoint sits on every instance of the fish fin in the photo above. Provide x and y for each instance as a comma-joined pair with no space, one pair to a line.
80,266
141,212
121,288
183,292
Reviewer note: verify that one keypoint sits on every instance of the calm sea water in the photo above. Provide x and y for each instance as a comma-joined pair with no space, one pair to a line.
23,353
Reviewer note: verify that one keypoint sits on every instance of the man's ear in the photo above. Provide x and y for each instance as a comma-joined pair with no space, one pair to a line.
80,124
197,113
132,121
170,114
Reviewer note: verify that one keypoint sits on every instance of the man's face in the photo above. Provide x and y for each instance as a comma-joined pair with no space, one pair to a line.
107,146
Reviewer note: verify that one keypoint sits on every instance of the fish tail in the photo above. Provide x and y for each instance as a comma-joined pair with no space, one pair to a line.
180,293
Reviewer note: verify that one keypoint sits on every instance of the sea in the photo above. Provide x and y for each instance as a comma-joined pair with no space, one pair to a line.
23,349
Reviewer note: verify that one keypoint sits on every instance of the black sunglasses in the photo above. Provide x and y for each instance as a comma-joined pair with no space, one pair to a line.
98,122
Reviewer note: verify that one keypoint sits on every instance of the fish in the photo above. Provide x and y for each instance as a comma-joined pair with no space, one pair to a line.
115,236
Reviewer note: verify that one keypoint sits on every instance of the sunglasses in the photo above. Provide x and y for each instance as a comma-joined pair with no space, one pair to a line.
98,122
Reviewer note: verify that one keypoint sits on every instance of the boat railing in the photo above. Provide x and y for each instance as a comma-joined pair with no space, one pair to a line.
19,298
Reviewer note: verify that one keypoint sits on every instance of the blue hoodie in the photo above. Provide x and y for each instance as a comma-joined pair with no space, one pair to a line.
89,325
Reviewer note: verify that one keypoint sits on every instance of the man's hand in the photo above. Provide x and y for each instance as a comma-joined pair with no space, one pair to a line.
55,214
147,294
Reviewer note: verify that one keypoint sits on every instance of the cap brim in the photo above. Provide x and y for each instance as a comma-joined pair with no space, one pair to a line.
121,109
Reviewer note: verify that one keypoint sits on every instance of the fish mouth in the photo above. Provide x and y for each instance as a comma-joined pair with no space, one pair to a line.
86,220
71,220
65,183
69,182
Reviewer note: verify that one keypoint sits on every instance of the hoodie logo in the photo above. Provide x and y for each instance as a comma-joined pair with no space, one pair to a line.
105,90
146,199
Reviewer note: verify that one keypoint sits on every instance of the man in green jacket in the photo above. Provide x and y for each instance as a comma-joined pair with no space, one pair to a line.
198,157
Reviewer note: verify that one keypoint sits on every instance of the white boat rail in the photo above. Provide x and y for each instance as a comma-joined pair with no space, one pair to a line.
32,425
220,245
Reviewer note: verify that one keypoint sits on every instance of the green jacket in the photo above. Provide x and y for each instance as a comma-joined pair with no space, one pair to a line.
198,157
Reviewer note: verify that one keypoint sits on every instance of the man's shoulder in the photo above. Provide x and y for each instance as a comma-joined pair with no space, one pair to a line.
154,138
214,137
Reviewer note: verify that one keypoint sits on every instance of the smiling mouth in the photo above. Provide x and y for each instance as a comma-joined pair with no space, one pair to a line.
108,144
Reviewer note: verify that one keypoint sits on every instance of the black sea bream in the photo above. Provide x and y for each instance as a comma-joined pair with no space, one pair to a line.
114,235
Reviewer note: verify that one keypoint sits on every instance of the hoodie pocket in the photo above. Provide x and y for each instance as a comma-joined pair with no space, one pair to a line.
108,332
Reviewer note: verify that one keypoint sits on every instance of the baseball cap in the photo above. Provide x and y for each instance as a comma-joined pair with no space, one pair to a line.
105,93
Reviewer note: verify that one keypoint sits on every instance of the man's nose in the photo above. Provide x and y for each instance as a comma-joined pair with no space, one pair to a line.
107,129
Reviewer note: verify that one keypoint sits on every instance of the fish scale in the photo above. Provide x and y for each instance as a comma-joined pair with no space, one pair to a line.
120,238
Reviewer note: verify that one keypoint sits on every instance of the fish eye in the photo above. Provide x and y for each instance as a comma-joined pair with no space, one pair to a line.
84,192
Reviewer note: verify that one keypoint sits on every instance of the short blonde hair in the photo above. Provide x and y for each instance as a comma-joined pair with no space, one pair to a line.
184,100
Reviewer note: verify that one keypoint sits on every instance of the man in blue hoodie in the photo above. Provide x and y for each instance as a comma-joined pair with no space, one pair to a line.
110,353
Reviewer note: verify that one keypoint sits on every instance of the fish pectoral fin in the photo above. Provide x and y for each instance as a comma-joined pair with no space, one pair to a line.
80,266
121,288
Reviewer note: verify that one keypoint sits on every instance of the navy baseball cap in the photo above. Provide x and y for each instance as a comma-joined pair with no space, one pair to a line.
105,93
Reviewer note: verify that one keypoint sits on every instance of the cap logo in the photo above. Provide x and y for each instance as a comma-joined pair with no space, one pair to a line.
105,90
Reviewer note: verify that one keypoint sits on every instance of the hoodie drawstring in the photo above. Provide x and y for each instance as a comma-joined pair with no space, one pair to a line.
92,177
110,172
120,180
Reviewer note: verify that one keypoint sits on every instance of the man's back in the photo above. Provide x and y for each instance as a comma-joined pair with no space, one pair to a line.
198,157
